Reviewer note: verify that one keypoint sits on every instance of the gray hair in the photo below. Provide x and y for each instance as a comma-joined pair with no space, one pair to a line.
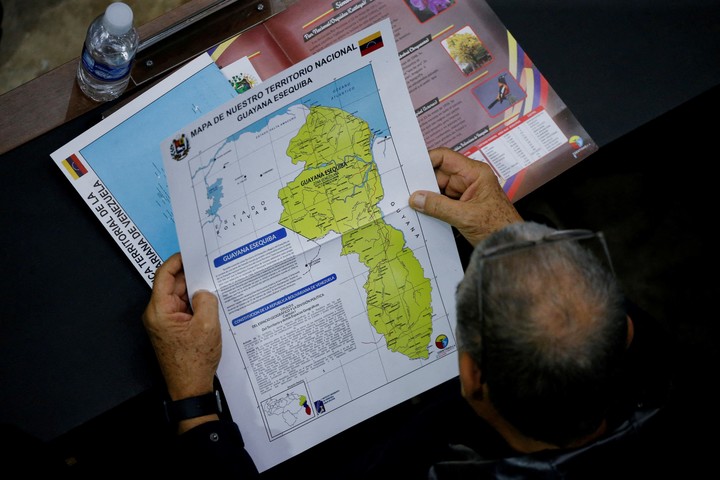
547,326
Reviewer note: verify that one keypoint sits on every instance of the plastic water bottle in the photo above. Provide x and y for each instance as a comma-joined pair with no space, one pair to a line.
108,53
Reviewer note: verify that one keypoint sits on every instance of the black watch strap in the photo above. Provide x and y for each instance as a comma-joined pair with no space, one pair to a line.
192,407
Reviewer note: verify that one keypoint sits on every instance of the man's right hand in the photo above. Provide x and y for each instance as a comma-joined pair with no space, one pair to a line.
473,200
187,341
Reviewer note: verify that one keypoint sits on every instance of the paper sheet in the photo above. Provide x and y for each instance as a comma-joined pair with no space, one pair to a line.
291,203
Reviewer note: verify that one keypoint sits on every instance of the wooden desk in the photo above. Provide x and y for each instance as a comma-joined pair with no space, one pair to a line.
606,64
50,100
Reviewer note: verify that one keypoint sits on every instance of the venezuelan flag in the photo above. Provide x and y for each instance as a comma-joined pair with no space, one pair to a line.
74,166
370,43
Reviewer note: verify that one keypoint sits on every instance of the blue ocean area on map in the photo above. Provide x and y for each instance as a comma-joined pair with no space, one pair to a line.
128,158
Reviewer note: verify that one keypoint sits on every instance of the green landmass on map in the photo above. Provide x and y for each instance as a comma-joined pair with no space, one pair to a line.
339,190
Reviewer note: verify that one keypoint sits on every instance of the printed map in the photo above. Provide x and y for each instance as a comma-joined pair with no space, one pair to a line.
318,167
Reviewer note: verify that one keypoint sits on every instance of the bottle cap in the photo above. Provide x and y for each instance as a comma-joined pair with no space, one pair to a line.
118,18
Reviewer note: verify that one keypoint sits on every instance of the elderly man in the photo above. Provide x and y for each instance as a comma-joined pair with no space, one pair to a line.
554,376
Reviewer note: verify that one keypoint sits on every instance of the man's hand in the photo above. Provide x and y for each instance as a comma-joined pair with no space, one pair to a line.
473,200
187,341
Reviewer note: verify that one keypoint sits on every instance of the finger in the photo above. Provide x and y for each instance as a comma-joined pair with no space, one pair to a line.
450,161
169,294
166,273
172,265
438,206
442,158
205,306
454,171
180,286
443,167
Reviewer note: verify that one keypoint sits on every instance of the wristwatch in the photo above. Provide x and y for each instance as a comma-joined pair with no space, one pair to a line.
191,407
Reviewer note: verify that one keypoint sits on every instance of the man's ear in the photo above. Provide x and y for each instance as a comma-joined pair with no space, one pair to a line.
630,331
470,377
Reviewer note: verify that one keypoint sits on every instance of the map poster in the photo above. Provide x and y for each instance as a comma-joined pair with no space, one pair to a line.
473,87
117,168
291,204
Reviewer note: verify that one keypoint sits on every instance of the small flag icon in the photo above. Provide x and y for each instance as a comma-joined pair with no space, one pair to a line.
74,166
370,43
